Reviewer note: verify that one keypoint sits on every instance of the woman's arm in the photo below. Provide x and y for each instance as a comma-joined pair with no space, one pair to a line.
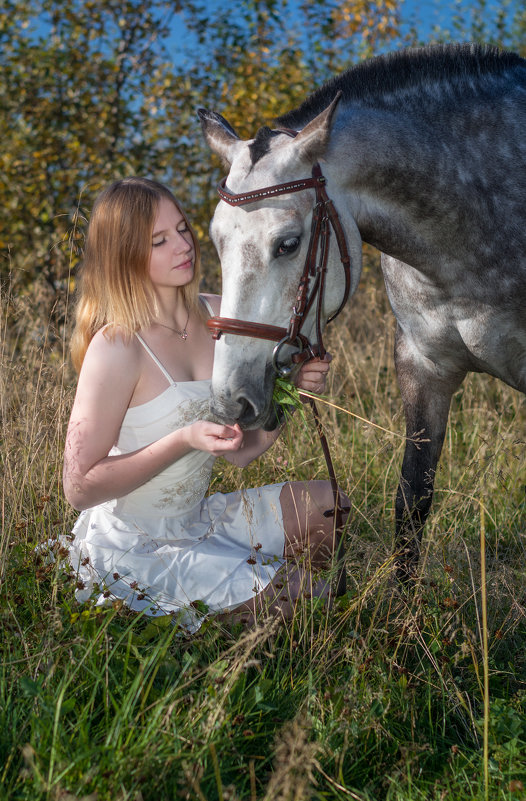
109,374
312,377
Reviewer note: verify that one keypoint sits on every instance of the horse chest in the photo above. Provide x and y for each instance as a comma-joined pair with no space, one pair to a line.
457,330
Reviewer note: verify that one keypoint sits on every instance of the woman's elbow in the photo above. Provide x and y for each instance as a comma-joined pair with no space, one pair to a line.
76,499
239,459
244,462
75,493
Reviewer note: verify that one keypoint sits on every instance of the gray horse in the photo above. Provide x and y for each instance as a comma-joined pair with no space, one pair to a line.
424,155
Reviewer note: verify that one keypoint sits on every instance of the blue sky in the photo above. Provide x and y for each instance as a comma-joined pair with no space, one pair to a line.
424,15
428,14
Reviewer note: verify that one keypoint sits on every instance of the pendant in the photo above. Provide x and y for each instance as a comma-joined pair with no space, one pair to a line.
184,334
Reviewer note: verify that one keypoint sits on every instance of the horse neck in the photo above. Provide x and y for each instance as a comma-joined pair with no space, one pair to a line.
416,186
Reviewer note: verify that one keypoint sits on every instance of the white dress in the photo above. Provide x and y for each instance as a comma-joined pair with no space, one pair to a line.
166,548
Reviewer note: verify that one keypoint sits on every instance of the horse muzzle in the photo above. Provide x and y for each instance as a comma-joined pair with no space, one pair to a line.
244,398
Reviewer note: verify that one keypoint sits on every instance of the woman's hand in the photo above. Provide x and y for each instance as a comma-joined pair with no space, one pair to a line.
313,375
214,438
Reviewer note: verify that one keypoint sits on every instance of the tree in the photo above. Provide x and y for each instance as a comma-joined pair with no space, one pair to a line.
76,97
89,93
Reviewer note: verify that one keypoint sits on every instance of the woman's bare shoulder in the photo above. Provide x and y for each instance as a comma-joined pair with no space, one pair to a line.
106,382
112,348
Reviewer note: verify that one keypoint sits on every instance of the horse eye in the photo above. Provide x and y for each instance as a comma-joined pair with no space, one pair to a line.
287,246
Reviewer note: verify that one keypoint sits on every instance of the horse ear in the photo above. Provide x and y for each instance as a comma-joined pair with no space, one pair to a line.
219,134
313,139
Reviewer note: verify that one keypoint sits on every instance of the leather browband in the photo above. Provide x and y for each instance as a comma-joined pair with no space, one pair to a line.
269,191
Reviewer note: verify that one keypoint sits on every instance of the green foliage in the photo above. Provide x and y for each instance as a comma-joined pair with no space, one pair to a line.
76,88
287,399
92,91
89,93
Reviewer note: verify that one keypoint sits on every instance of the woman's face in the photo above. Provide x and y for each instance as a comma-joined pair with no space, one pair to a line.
172,256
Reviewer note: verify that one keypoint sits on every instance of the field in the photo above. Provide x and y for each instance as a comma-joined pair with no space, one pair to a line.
382,696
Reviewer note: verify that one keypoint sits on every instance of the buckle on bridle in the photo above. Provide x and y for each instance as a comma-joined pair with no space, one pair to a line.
285,370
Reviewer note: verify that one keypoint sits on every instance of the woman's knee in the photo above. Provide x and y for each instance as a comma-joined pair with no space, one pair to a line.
308,520
301,498
306,500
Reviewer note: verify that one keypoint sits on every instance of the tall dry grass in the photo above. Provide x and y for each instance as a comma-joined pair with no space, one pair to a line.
379,697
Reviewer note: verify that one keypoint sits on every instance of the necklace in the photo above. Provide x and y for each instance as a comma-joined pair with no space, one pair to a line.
184,333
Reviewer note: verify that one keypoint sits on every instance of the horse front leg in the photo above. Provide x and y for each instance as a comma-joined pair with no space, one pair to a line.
426,394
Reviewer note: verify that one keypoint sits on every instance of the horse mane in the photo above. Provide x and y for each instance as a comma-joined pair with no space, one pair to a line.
385,80
261,143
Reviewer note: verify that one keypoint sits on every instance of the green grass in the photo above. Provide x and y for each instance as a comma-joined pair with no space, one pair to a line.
380,697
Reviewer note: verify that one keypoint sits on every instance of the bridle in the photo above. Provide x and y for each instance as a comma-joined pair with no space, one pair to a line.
324,217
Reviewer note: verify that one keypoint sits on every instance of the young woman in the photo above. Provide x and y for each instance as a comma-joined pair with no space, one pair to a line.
141,444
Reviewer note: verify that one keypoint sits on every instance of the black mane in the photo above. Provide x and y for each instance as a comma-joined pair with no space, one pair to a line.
261,143
380,80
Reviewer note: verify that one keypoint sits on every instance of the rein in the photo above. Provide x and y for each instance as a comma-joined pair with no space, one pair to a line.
324,217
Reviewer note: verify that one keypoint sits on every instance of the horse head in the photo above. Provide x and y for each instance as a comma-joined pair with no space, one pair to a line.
263,245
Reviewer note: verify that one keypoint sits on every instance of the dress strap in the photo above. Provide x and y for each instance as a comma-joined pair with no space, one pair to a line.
161,367
207,305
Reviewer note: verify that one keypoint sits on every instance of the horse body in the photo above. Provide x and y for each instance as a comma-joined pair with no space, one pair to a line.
425,158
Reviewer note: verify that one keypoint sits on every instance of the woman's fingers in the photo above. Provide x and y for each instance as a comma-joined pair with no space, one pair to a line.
313,374
215,438
226,438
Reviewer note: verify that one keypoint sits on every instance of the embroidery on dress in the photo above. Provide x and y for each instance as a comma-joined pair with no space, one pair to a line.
191,410
189,492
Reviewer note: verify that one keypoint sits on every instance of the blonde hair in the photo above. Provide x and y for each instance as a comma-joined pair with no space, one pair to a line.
114,284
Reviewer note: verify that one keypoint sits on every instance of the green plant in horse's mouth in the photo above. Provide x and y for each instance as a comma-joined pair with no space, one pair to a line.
287,397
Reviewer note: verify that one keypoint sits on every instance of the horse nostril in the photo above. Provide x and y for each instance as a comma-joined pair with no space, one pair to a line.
246,410
229,409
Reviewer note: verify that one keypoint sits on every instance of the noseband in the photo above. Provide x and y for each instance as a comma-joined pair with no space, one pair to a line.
324,217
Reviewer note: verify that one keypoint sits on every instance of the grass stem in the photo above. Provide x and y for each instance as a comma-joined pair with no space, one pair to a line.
485,660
